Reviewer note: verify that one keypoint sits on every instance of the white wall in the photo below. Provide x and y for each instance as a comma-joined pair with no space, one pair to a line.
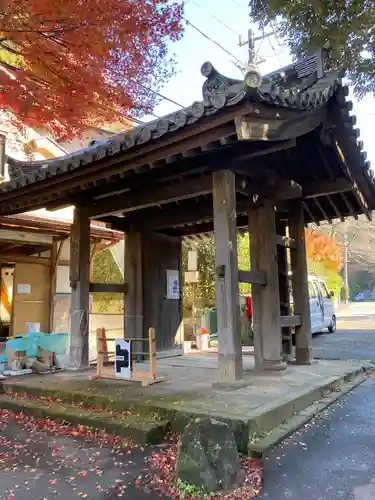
114,326
62,280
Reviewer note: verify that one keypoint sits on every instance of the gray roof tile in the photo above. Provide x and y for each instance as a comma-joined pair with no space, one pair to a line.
296,86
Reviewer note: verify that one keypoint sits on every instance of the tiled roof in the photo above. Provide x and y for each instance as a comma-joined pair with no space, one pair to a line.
300,86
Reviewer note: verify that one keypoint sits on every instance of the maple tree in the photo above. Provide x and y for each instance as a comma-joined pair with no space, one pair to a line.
323,248
67,63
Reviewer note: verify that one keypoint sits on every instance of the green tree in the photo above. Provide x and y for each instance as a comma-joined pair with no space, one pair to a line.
332,278
346,28
105,270
205,289
243,252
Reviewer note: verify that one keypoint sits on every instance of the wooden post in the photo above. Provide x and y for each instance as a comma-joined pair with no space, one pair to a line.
255,265
300,286
80,283
152,351
56,250
93,252
266,299
100,355
227,289
133,276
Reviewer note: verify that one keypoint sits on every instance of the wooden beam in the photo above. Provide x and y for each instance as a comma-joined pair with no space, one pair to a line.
291,320
301,302
174,216
321,209
19,259
233,157
335,209
349,153
227,288
52,293
266,299
349,206
319,188
56,258
149,197
80,284
311,215
252,277
249,128
187,138
134,276
11,246
108,287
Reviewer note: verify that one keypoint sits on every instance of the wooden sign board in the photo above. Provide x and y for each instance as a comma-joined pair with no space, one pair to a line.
123,364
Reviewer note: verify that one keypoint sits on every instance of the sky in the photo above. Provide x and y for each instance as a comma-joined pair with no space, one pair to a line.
224,21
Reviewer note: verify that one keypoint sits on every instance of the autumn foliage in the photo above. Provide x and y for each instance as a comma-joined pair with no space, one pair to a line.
323,248
67,63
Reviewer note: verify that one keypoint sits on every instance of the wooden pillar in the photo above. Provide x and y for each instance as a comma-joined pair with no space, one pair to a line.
300,286
54,250
227,288
266,299
282,264
80,283
133,276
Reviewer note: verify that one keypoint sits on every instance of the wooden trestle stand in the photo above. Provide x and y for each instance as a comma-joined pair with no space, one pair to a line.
146,378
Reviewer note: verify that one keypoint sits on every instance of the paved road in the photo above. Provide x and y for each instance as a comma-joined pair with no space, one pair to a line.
347,343
332,459
40,465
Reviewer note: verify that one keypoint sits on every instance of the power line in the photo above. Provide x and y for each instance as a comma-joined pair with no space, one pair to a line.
274,51
236,4
214,17
189,23
160,95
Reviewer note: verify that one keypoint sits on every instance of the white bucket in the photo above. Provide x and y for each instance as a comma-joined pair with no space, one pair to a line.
203,342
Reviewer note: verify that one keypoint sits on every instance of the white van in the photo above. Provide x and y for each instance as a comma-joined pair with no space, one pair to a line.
322,311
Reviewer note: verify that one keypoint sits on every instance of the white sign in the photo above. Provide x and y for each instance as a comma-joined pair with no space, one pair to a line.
123,364
191,276
192,260
23,289
173,284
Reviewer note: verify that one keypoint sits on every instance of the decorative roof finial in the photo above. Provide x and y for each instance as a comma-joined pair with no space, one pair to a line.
218,90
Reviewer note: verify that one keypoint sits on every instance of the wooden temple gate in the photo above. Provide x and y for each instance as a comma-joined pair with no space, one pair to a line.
269,154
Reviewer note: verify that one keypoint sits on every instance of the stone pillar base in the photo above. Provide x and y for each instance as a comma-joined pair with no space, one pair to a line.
304,356
230,368
273,366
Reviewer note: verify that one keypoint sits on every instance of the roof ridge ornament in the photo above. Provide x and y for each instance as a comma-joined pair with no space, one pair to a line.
218,90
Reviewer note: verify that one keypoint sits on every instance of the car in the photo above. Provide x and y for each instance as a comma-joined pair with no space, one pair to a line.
322,310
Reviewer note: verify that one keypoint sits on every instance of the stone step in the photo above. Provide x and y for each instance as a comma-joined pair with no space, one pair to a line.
140,429
100,398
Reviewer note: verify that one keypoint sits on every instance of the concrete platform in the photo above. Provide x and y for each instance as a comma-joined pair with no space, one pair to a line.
259,405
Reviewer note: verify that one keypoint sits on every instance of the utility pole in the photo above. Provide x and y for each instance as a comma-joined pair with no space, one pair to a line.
346,283
253,59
